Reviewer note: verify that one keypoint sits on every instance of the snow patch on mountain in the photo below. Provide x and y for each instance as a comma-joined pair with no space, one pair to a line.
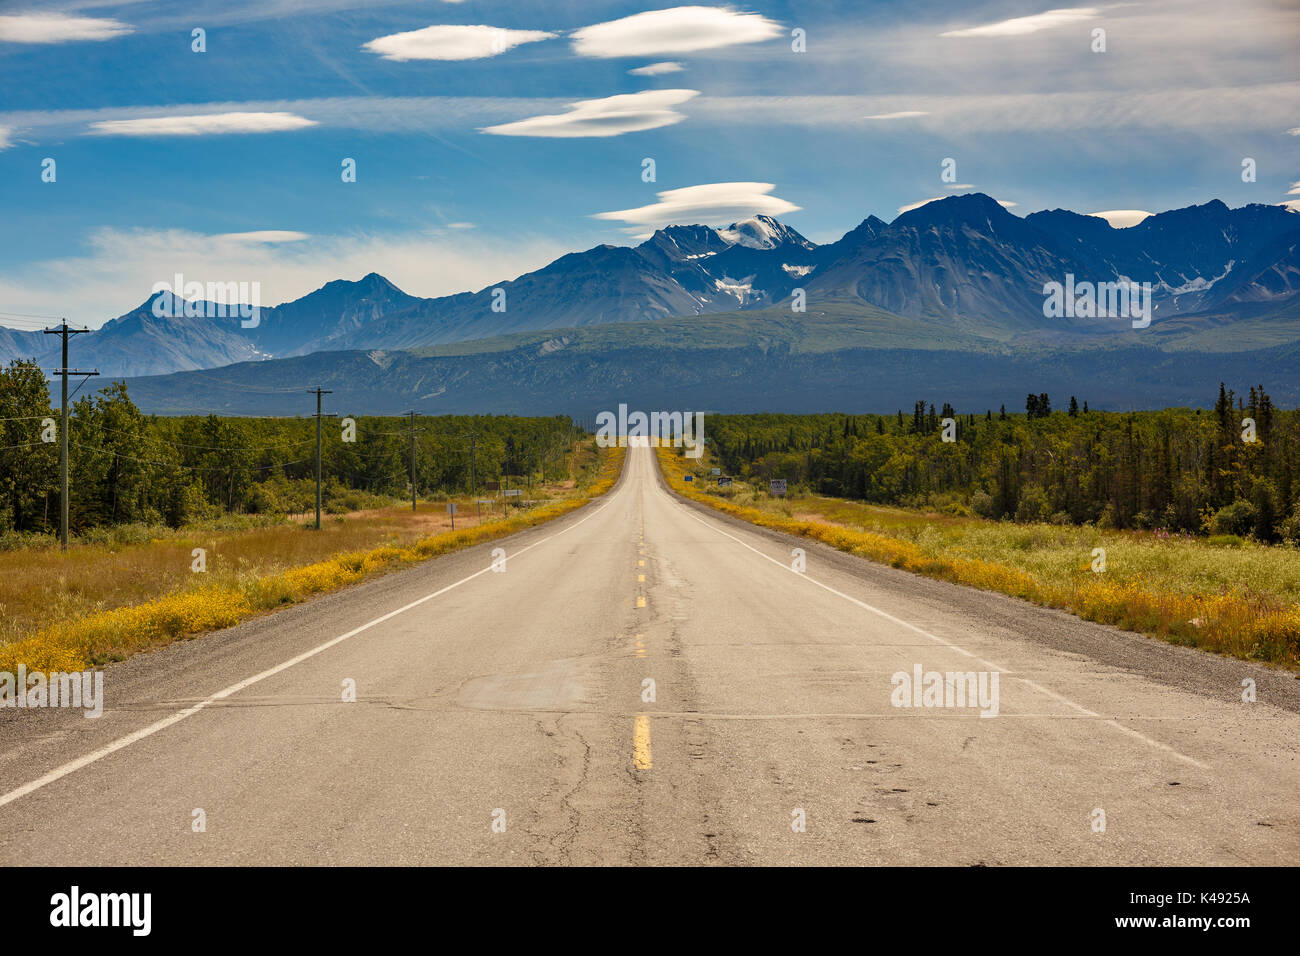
742,289
1198,284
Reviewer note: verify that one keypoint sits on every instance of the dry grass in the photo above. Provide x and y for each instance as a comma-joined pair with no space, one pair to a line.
99,603
1237,598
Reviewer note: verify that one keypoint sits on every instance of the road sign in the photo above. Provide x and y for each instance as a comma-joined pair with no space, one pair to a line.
778,486
492,485
716,471
512,492
724,482
451,507
690,477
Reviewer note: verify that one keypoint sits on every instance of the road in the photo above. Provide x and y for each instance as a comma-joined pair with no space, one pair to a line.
504,718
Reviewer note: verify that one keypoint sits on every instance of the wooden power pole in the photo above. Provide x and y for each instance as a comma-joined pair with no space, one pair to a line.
63,371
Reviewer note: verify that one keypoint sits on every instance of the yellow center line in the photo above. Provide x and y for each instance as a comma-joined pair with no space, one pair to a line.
640,600
640,579
641,743
641,563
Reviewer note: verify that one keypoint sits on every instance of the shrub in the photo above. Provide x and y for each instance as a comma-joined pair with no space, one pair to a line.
1033,505
1237,518
1288,530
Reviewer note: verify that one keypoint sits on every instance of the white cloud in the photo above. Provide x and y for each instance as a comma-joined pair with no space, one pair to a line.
901,114
1294,190
1212,109
611,116
265,235
382,114
1293,132
120,266
1022,26
58,28
657,69
203,125
1122,218
917,205
676,30
451,43
6,139
1292,204
1208,110
960,186
1004,203
712,203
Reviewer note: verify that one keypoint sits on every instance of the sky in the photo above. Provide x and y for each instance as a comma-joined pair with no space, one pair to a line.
490,138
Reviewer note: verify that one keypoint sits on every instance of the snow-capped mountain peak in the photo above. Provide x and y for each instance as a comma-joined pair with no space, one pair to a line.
761,232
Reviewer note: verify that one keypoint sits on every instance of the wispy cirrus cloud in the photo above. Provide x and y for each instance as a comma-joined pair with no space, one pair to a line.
207,124
58,28
1212,109
610,116
710,203
1023,26
452,43
900,114
673,31
6,137
1190,109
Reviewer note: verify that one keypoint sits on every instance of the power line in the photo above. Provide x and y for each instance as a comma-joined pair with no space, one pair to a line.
78,388
34,444
243,387
32,315
181,444
101,450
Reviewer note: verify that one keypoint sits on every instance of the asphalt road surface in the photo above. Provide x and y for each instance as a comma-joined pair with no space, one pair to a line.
505,717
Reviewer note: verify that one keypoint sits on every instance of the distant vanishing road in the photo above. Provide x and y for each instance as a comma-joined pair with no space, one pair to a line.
507,718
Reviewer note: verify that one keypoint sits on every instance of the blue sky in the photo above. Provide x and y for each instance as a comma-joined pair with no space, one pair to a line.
474,165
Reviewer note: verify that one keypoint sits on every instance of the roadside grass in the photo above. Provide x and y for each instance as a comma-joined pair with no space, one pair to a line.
1229,596
100,603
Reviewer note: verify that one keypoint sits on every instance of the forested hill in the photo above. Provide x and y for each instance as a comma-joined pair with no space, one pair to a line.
1229,470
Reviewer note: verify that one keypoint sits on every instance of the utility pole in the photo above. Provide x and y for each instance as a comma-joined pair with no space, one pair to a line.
320,393
473,440
64,331
412,414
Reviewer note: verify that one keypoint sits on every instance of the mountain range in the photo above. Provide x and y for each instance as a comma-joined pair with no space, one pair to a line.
956,276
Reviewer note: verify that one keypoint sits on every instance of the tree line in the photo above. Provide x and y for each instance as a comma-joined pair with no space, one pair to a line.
1230,469
125,466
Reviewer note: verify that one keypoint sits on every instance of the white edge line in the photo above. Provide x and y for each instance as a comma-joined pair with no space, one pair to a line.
73,766
960,650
